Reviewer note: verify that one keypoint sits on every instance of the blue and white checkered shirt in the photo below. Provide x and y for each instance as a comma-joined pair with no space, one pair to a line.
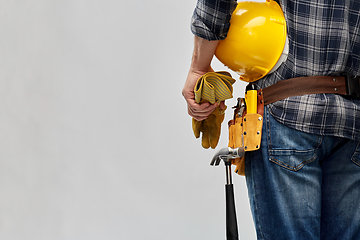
324,39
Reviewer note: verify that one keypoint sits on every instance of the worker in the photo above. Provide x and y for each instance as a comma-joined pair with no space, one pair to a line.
304,181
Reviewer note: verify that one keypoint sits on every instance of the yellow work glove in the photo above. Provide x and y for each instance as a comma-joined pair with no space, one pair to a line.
210,128
212,87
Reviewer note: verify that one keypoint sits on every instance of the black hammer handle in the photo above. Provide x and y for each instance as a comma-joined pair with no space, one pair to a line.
231,222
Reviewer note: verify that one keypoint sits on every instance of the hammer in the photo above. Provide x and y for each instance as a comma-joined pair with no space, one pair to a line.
226,154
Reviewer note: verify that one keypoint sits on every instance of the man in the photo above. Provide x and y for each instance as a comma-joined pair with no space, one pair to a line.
304,182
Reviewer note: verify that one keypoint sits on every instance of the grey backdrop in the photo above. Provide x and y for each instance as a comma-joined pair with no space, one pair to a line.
95,140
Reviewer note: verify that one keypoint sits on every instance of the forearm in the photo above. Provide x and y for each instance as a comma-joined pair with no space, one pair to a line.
216,14
200,64
203,53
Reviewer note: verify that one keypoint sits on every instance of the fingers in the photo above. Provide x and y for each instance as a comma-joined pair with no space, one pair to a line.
195,110
200,111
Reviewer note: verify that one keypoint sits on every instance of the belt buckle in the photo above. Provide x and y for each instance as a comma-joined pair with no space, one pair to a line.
352,86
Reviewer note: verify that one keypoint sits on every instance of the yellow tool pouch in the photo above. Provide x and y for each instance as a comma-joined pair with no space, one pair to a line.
245,129
236,140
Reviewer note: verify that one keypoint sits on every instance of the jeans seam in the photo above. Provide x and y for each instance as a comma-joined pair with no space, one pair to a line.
259,231
268,135
256,215
287,166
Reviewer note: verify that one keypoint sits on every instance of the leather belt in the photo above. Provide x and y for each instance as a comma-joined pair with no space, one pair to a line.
343,85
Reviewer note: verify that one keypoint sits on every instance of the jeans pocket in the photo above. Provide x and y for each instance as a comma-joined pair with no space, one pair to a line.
292,160
356,157
290,148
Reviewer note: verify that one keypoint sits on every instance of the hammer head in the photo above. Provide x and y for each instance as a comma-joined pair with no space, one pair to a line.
226,154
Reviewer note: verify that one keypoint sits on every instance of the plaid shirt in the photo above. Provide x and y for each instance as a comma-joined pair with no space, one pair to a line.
324,39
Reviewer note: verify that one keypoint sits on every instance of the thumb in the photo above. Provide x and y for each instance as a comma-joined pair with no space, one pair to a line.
222,105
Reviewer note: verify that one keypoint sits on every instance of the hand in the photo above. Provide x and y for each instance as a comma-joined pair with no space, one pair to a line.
203,53
198,111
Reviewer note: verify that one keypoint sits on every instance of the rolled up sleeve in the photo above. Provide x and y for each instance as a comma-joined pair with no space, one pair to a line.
211,18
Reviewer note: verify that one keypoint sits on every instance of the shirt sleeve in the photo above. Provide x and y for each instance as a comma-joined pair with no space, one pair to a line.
211,18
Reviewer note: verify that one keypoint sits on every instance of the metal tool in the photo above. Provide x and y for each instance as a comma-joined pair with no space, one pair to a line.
226,154
239,108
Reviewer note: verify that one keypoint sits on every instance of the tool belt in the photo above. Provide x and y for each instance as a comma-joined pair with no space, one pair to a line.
342,85
245,128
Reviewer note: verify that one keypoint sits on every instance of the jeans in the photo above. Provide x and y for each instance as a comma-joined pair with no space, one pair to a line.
303,186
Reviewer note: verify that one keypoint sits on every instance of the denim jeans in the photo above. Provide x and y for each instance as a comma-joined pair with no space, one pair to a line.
303,186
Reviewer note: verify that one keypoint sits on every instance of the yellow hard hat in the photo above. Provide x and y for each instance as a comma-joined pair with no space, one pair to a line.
256,42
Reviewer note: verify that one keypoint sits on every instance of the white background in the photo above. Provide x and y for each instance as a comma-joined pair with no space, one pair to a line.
95,140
